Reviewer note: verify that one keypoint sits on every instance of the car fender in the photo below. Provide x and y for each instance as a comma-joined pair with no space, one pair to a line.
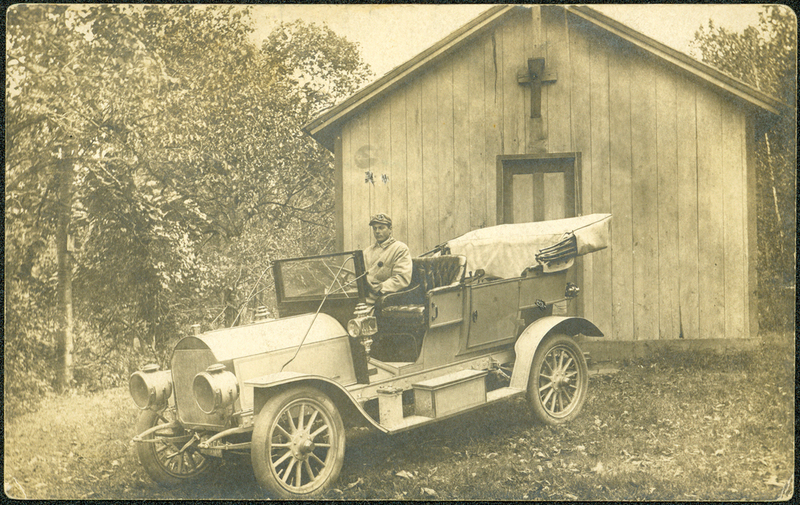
351,411
532,336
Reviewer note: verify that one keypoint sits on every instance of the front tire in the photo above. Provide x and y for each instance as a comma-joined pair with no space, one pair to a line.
165,461
298,443
558,381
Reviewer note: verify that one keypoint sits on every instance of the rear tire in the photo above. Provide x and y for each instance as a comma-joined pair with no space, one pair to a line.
558,380
298,443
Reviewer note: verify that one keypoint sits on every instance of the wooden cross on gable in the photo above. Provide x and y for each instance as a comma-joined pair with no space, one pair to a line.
535,77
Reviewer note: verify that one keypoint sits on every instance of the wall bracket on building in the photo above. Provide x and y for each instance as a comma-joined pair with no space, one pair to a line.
535,76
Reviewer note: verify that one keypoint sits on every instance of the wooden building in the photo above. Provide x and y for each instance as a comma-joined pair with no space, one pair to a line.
542,112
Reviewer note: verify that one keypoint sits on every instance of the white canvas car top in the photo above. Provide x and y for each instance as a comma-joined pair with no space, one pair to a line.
507,250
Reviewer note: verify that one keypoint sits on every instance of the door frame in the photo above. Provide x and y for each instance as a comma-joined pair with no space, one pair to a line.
506,169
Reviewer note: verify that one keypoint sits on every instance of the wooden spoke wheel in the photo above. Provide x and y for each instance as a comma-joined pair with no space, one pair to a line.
170,460
298,443
558,381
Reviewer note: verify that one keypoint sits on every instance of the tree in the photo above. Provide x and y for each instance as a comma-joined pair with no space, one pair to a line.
156,139
765,56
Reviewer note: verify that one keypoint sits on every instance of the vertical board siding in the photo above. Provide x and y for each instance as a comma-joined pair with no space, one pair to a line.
477,143
749,231
733,231
514,59
620,160
688,253
398,183
380,159
644,191
430,177
461,143
338,194
414,167
580,98
600,169
348,173
531,38
668,253
536,47
751,237
558,93
710,214
361,191
444,151
493,83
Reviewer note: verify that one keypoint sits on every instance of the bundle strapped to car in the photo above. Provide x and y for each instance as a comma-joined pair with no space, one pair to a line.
507,250
563,250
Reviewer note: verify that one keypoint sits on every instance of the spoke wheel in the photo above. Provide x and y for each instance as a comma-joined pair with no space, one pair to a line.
167,462
558,381
298,443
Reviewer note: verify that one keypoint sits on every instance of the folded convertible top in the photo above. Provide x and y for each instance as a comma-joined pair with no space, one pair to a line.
507,250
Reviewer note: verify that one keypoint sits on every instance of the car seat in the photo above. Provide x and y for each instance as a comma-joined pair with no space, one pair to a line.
403,316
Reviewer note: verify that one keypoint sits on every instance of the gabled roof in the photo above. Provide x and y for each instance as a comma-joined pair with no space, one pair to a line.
680,60
322,127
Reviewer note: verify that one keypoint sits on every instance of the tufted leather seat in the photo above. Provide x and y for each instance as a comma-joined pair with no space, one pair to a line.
406,309
439,271
402,316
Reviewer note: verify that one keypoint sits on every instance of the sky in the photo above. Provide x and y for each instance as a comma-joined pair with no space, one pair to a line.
389,35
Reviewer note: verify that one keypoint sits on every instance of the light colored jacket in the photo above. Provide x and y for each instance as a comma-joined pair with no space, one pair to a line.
388,267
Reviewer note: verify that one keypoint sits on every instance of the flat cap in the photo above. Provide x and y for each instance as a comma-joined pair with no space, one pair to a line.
380,219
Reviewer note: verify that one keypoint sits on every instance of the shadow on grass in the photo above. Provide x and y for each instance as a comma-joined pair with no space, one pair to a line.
774,350
495,422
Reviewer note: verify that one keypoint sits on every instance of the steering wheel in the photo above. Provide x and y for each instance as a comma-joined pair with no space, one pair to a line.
343,278
347,276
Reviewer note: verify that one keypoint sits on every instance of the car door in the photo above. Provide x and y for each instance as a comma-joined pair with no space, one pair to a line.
494,313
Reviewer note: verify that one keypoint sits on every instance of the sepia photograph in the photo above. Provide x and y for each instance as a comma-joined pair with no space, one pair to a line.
456,252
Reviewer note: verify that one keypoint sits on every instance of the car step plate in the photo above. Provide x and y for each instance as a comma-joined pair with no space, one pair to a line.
450,393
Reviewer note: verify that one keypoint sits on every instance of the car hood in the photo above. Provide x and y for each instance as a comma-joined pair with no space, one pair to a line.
265,337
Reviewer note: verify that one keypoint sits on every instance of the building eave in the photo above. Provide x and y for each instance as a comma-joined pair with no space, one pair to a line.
318,126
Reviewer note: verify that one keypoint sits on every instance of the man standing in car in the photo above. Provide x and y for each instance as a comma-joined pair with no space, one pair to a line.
388,261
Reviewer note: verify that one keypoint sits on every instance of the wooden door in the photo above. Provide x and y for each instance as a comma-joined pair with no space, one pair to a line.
537,189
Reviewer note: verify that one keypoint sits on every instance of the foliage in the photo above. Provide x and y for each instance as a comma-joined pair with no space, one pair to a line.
28,346
765,56
190,172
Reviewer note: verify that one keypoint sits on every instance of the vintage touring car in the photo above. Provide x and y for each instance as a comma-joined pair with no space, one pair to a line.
478,324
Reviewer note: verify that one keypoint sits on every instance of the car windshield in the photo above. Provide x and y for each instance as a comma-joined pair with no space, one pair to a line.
314,277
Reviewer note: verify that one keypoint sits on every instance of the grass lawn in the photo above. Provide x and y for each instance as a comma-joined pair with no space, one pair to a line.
674,427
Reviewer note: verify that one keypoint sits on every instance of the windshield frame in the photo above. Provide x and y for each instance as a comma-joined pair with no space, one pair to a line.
280,270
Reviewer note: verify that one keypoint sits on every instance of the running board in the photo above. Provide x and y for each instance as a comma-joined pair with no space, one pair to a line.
502,394
492,397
